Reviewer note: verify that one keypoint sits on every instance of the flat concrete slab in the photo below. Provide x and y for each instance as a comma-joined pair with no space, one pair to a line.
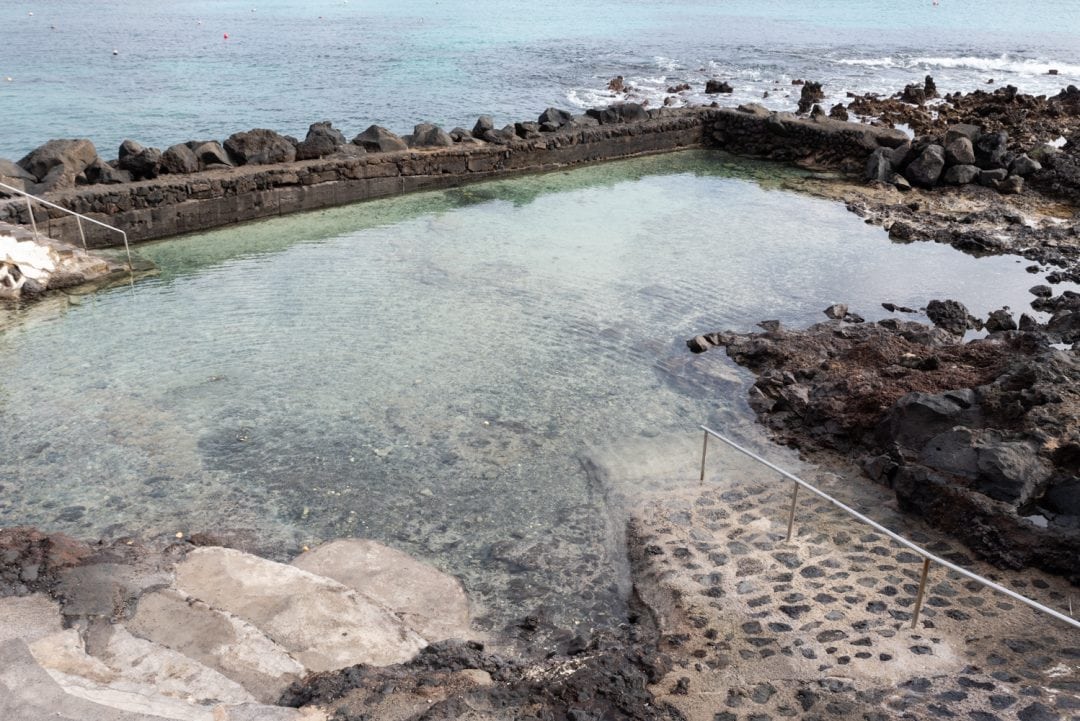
430,602
134,675
28,693
28,618
323,624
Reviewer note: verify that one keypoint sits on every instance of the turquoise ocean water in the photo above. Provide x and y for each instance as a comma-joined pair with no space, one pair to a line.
287,63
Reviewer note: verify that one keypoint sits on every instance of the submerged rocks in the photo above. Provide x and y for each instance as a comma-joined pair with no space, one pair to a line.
259,147
377,139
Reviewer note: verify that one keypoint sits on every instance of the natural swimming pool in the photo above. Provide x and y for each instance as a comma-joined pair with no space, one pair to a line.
469,375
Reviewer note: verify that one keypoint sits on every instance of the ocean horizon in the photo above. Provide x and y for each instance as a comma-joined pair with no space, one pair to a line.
172,71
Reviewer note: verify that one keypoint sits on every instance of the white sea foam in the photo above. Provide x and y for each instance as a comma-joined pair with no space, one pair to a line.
1004,63
1001,63
870,62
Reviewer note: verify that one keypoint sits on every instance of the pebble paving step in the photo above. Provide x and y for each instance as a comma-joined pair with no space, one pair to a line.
821,627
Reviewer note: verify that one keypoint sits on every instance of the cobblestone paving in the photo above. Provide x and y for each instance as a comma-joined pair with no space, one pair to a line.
821,627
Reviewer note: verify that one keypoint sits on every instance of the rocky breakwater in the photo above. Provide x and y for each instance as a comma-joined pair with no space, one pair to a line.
1015,139
981,438
964,154
202,184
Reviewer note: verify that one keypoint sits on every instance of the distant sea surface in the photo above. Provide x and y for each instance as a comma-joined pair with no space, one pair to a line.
287,63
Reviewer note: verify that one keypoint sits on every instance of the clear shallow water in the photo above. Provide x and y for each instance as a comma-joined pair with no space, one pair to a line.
288,63
470,375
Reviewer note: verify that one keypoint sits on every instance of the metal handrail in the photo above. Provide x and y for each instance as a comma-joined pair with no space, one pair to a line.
78,216
927,556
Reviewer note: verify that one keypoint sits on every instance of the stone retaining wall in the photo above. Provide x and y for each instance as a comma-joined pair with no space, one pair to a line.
173,204
817,141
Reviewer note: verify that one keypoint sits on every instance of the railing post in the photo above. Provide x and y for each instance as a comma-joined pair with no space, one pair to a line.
704,449
81,233
127,249
791,513
33,220
922,592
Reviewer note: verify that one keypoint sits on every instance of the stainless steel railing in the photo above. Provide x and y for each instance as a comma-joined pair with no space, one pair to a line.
79,217
928,557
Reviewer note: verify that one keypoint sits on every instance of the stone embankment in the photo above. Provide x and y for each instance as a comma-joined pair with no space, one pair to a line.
206,184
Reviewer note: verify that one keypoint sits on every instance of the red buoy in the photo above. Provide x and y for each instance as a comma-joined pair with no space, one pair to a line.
226,36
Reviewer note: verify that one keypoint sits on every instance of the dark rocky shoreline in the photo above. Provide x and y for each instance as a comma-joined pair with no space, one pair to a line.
981,438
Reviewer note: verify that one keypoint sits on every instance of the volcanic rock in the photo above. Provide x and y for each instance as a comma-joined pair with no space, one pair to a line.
322,140
259,147
57,163
377,139
179,159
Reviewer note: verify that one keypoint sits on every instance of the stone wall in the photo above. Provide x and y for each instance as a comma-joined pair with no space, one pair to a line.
174,204
817,141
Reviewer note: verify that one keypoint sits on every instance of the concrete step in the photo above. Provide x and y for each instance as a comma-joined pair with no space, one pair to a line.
217,639
29,693
321,623
135,675
430,602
